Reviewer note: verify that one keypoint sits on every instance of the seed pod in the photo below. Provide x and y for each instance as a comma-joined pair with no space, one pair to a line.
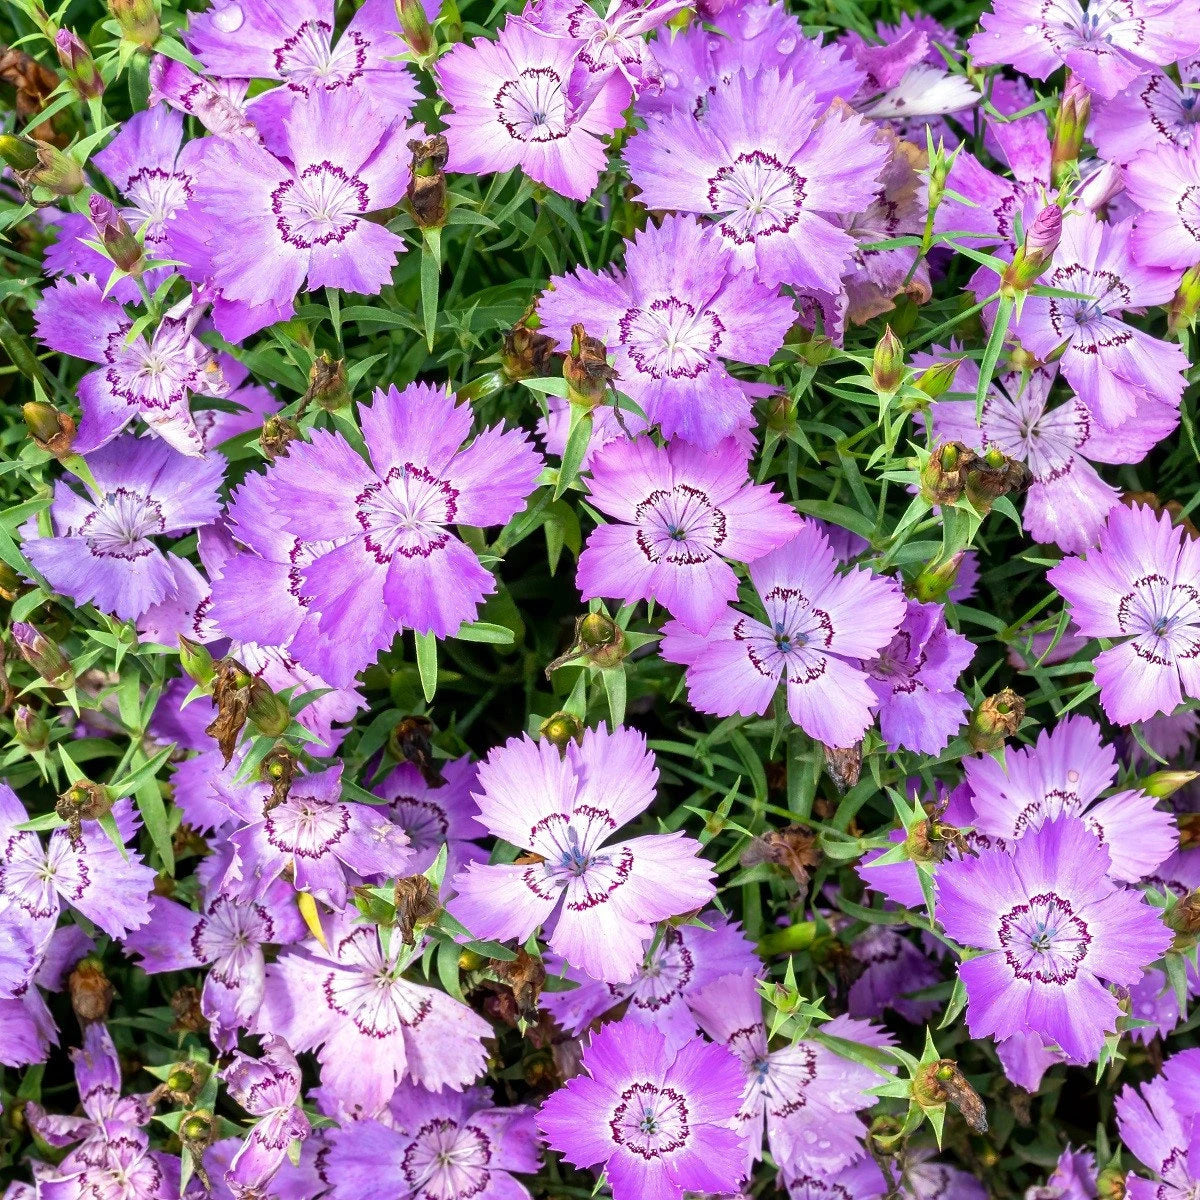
586,369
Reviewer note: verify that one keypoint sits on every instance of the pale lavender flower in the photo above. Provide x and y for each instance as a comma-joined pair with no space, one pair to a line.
1160,1125
218,104
1153,111
117,1164
600,899
862,1180
1165,184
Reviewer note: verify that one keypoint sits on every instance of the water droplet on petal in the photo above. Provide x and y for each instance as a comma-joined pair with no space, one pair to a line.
670,79
785,45
229,19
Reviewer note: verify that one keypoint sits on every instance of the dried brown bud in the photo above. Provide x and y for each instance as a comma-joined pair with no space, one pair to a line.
844,765
278,433
327,386
279,769
942,1082
185,1007
427,182
525,977
90,990
598,639
50,430
944,476
997,718
793,848
416,902
1183,918
586,369
231,695
32,82
526,352
994,475
412,741
83,801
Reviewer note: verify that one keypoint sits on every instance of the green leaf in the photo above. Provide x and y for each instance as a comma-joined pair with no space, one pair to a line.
427,663
431,271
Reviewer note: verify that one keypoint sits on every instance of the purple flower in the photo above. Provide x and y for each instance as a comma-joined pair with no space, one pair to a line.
678,514
218,104
929,1180
150,378
678,309
375,1028
1152,111
914,680
861,1181
608,425
893,968
440,1146
228,935
773,184
1113,367
807,1096
117,1164
658,1121
306,217
1141,585
381,557
1160,1124
1053,929
1067,500
107,883
101,552
512,109
1062,775
1165,185
686,959
98,1080
1108,45
27,1030
819,625
324,844
600,898
267,1088
255,39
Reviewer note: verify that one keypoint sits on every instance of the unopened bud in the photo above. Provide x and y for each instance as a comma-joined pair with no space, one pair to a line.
327,385
937,380
1162,784
944,476
79,65
561,729
42,655
994,475
939,172
21,153
527,352
598,639
997,718
138,20
586,369
935,581
278,433
90,990
196,661
1185,304
415,25
427,181
1110,1184
1069,128
1183,919
266,711
1035,253
115,235
30,728
887,363
51,430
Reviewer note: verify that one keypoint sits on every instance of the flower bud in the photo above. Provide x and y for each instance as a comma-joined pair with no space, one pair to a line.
527,353
266,711
42,655
1035,252
138,20
51,430
887,363
939,171
79,65
327,386
944,476
994,475
1162,784
30,728
415,25
115,235
997,718
561,729
90,990
39,164
427,181
1110,1184
598,639
18,151
937,380
935,581
196,662
83,801
586,369
1185,304
279,769
1069,127
197,1129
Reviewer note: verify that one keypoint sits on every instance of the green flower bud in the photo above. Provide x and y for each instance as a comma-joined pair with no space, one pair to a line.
887,364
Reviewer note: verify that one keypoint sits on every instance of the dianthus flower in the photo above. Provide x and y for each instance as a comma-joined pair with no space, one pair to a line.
218,104
915,681
601,899
659,1121
1160,1124
435,1146
773,186
512,109
1063,775
1153,111
1113,367
1067,500
27,1029
1141,585
267,1088
820,624
680,308
306,214
1054,930
892,969
380,554
807,1096
147,377
109,884
677,515
118,1163
257,39
1165,185
101,552
374,1027
1108,44
862,1180
686,959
